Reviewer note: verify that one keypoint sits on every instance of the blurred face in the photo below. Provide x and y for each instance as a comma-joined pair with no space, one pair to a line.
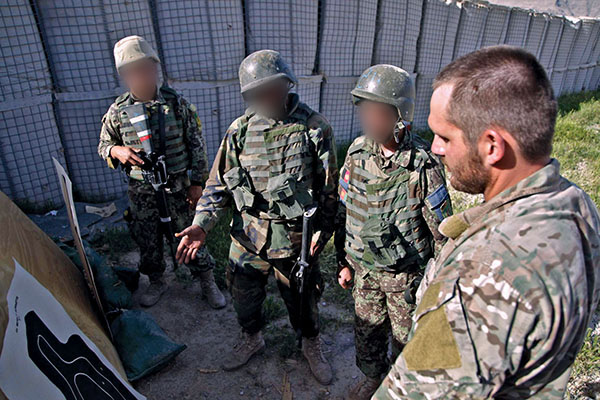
269,99
377,120
467,171
141,78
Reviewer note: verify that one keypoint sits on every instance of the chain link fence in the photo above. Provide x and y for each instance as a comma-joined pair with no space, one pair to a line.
57,75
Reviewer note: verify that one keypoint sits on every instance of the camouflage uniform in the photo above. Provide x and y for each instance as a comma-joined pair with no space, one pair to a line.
185,151
505,307
269,171
387,222
417,200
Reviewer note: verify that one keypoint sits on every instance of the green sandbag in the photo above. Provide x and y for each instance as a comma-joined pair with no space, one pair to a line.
130,276
143,346
113,292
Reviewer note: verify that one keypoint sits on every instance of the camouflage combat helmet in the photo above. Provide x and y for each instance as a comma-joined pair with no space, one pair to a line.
131,49
387,84
261,67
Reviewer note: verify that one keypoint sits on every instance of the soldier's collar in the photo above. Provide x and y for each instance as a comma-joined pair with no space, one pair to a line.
403,156
158,98
538,182
293,103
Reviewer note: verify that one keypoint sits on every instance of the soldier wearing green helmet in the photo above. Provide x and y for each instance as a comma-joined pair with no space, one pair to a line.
275,161
392,199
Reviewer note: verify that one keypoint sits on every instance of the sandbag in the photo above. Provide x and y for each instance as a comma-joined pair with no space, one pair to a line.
113,292
143,346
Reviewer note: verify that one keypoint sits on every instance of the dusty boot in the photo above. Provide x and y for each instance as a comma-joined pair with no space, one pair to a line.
210,291
320,367
248,345
363,389
153,293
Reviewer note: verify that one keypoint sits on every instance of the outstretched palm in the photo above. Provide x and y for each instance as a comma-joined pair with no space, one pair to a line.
192,239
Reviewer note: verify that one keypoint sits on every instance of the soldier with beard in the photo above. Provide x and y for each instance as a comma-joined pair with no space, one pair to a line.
505,307
275,161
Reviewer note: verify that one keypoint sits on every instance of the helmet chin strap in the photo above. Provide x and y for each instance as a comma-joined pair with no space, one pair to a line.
398,129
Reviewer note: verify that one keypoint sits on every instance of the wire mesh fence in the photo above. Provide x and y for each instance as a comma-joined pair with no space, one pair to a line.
57,75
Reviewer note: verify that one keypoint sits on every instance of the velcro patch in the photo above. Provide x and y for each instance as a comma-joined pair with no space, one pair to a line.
439,202
433,345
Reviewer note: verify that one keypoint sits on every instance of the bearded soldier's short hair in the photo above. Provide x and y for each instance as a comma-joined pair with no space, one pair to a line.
504,87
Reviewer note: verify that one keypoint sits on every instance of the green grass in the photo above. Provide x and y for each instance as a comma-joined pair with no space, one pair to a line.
588,359
113,242
218,242
577,141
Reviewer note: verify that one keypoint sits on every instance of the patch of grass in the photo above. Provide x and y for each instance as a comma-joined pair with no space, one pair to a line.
218,242
273,308
281,338
333,292
573,101
588,359
577,141
113,242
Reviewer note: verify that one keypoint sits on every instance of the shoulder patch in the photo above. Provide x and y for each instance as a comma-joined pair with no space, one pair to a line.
439,202
433,345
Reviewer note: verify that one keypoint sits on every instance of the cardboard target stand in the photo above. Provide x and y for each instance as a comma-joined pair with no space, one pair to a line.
54,340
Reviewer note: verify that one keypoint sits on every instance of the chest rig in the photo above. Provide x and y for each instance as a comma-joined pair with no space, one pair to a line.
176,154
275,177
384,224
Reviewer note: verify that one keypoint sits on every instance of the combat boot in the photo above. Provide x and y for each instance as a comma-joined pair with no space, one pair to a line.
210,290
152,294
320,367
248,345
363,389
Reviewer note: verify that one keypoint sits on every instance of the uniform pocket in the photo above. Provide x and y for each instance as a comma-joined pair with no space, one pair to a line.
383,243
237,181
288,197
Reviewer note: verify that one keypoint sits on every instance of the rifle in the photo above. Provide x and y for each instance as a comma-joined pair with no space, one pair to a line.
303,263
154,169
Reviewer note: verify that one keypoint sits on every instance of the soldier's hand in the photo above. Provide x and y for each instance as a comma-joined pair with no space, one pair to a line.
126,155
192,239
194,193
345,278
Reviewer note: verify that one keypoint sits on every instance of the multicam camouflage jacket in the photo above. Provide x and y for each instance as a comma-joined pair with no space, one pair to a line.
390,207
185,146
505,307
270,171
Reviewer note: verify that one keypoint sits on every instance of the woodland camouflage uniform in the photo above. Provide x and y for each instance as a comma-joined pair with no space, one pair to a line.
505,307
185,151
268,171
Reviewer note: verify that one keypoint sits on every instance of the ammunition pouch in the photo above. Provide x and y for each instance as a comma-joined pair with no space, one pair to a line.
383,244
238,182
288,197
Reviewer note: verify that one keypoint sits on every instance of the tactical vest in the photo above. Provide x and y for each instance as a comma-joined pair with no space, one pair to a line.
275,177
384,224
175,150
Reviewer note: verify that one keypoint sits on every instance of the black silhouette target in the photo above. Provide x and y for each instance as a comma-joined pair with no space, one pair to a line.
72,366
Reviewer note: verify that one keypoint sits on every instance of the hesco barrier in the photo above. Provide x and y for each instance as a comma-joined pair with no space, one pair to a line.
57,76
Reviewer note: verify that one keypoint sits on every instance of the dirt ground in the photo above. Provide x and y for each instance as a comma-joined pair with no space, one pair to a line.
209,334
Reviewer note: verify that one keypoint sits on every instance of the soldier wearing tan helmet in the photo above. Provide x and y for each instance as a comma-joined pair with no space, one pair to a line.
275,160
393,197
176,134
